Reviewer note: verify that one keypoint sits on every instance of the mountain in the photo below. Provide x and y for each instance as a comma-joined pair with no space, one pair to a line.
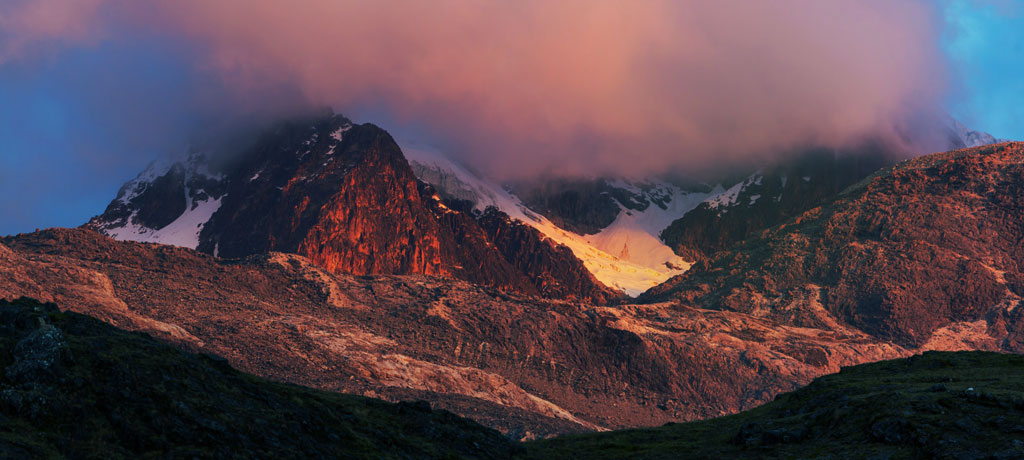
925,252
75,387
787,304
631,235
935,405
922,256
964,137
768,197
624,253
775,193
344,196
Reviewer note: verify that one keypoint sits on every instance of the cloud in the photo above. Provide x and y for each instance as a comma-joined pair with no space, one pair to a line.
574,86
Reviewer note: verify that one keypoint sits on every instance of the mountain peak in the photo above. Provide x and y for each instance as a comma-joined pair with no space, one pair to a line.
341,194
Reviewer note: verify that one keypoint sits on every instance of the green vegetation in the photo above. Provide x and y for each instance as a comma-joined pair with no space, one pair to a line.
963,405
75,387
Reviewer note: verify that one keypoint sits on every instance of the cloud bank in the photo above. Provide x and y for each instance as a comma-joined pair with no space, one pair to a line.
573,86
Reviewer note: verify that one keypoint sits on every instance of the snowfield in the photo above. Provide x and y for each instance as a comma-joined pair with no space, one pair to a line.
183,231
628,255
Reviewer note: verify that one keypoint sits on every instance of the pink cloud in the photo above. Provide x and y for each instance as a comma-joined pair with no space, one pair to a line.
578,86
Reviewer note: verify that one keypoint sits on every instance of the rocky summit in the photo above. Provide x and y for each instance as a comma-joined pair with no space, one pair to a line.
344,196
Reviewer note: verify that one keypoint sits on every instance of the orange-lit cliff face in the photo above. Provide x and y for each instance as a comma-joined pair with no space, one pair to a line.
344,196
376,221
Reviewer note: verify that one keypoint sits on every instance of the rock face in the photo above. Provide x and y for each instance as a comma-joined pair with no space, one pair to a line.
910,255
626,255
773,195
343,196
553,268
769,197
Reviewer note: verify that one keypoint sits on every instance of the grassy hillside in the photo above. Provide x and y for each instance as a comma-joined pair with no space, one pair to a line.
73,386
962,405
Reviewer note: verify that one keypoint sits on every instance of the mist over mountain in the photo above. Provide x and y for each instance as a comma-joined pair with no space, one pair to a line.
569,87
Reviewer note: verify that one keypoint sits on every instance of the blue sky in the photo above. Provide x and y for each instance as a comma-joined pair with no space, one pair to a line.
985,44
64,149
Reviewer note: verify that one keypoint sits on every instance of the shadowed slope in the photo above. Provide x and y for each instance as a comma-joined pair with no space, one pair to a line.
76,387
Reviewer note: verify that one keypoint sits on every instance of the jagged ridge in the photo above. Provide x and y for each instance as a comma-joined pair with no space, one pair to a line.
341,194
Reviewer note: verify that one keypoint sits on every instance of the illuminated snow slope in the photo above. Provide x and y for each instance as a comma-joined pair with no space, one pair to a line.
627,255
633,236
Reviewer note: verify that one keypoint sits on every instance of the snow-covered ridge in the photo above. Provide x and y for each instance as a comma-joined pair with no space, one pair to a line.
184,231
628,255
721,200
200,204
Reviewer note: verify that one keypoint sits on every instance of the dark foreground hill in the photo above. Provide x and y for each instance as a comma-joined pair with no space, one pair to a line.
944,405
75,387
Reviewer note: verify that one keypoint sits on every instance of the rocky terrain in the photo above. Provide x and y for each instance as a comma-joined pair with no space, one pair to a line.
587,206
74,387
770,197
878,273
926,253
351,199
966,405
756,198
340,194
523,365
626,254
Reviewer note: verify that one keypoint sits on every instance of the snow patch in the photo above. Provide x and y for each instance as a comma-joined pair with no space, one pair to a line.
634,235
723,200
627,255
726,198
184,231
336,135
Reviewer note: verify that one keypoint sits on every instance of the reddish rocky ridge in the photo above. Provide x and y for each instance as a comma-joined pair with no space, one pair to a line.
344,196
915,254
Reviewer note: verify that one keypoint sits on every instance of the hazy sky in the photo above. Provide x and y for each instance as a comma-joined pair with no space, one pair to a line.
92,90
